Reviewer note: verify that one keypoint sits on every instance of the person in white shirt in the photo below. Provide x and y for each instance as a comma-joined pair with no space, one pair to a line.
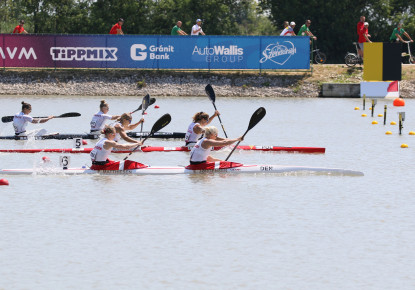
98,120
195,129
21,119
197,28
201,151
289,30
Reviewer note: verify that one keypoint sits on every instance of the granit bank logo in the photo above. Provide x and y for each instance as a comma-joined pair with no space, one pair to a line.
140,52
19,53
220,53
278,53
84,53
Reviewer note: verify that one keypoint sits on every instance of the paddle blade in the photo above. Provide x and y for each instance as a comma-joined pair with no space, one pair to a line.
152,101
256,117
210,92
160,123
145,103
7,119
68,115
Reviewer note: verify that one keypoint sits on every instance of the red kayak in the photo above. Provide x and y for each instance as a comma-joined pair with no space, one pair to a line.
169,149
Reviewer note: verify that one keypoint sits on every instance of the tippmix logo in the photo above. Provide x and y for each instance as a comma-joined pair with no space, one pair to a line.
84,53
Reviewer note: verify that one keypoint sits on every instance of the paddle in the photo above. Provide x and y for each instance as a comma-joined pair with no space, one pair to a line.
158,125
256,117
152,101
144,106
8,119
211,94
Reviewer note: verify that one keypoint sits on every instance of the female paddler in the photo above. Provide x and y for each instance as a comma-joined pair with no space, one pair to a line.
21,119
195,129
123,125
200,152
102,150
98,120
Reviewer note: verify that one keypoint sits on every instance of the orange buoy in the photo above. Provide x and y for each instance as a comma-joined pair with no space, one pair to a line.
156,107
4,182
404,145
84,142
374,122
398,102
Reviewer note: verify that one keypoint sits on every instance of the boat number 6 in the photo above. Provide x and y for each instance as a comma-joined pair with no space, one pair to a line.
65,161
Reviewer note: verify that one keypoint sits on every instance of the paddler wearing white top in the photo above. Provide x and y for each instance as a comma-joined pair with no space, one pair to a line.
98,120
195,130
125,125
20,120
99,155
197,28
200,152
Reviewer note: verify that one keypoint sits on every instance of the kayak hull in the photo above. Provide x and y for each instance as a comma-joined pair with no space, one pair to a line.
159,135
317,150
165,170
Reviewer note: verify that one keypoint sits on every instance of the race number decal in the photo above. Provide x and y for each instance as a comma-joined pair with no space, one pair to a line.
77,143
64,161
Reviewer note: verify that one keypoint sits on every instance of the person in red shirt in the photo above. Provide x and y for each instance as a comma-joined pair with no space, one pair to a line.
364,36
19,28
116,29
360,25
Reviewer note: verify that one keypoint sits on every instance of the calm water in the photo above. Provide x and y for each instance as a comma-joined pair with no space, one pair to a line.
217,231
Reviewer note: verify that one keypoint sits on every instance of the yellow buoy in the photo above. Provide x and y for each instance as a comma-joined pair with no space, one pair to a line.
364,115
388,133
374,122
370,109
404,145
356,108
380,115
411,133
393,123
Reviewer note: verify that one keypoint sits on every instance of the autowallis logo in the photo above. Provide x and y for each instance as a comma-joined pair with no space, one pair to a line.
278,53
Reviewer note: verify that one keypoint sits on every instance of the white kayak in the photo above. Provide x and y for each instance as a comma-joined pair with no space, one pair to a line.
165,170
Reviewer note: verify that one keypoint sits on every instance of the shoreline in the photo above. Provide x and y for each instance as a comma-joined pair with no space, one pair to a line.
84,82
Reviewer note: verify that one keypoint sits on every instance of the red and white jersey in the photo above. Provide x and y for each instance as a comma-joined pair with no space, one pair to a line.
99,153
191,136
98,121
199,153
20,121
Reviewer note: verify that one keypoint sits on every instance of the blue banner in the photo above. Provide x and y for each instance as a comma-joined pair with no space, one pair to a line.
155,51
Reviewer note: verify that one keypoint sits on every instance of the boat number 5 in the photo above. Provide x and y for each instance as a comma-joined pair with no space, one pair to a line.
77,143
65,161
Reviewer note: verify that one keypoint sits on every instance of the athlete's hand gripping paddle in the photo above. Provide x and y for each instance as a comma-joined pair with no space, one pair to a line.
256,117
211,94
158,125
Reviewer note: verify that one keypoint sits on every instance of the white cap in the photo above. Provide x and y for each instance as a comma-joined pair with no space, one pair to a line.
366,23
198,20
292,23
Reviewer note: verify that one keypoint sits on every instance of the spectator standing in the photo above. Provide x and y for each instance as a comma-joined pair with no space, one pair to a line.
116,29
360,25
363,37
305,30
177,29
289,30
197,28
397,34
19,28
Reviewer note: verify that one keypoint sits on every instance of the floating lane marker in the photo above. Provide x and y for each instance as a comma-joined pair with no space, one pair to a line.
364,115
374,122
404,145
356,108
411,133
393,123
388,133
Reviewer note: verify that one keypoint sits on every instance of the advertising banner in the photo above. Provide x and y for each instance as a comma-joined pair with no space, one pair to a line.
155,51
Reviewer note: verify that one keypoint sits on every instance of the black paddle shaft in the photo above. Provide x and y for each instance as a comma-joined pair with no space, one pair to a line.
211,94
255,119
158,125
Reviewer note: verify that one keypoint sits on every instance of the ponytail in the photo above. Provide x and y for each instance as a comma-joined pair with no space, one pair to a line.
26,106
